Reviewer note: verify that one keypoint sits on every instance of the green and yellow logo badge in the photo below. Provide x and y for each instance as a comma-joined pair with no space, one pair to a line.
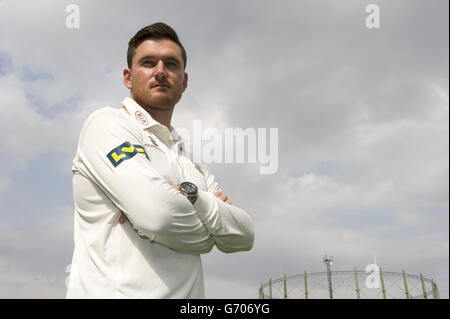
125,151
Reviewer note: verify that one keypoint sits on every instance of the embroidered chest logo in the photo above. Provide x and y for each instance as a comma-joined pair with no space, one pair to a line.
125,151
153,141
154,144
140,117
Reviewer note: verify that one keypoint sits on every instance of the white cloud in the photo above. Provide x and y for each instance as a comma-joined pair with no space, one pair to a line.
27,284
373,104
4,183
33,258
217,288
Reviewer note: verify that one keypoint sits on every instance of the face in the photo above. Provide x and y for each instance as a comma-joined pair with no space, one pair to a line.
157,78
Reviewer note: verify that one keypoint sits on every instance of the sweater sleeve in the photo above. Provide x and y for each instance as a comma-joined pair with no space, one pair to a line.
114,158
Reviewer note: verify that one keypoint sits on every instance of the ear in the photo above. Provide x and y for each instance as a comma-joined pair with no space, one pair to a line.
185,81
127,78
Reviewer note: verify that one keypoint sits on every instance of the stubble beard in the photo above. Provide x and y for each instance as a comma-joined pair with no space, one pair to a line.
148,102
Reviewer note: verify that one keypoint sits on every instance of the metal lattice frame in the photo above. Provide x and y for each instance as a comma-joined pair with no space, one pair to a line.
350,285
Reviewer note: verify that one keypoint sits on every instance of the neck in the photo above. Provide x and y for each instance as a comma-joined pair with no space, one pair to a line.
161,115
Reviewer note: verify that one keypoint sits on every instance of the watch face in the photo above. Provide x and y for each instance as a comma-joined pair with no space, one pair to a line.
188,188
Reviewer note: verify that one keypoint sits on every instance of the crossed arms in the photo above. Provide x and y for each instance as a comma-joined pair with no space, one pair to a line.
155,208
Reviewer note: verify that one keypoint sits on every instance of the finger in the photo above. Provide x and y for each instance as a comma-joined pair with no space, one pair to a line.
228,201
123,218
176,187
221,196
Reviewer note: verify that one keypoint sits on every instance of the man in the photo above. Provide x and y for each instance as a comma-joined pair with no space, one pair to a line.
144,213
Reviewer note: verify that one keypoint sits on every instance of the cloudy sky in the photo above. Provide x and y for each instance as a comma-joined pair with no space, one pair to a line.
362,117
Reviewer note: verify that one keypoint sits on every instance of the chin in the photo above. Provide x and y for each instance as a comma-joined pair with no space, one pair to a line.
159,101
165,101
162,102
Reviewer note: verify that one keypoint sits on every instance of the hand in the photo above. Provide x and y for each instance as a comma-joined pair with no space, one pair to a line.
223,197
123,218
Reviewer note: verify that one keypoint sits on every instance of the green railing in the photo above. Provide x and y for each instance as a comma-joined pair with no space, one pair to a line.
350,285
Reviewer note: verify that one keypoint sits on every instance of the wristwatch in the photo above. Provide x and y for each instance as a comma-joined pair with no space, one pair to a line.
190,190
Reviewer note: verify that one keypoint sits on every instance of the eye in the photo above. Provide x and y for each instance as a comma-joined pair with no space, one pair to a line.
148,63
172,64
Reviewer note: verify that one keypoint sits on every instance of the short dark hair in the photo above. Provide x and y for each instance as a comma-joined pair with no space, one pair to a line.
157,30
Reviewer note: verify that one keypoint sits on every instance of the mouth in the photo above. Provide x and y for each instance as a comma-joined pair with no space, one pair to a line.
160,85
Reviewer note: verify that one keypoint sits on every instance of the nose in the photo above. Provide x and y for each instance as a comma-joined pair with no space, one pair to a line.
160,71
